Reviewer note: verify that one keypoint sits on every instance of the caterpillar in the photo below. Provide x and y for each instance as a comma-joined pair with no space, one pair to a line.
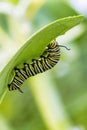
44,63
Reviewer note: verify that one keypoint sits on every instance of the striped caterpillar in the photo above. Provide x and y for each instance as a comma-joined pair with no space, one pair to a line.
36,66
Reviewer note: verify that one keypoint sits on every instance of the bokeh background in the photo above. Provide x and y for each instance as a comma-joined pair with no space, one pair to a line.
57,99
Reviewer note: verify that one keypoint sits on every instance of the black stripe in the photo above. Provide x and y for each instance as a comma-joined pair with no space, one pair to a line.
40,66
18,80
16,87
19,73
45,61
31,70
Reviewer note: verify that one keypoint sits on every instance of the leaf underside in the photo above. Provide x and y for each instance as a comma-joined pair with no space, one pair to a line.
35,46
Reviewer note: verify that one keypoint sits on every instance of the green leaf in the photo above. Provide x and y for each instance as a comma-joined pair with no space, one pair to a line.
35,46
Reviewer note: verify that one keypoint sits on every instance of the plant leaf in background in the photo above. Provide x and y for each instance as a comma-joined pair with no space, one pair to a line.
4,22
34,47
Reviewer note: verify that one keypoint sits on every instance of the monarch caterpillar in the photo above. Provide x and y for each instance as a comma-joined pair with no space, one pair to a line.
45,62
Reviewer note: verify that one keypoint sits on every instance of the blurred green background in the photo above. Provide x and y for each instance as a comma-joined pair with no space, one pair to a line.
57,99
